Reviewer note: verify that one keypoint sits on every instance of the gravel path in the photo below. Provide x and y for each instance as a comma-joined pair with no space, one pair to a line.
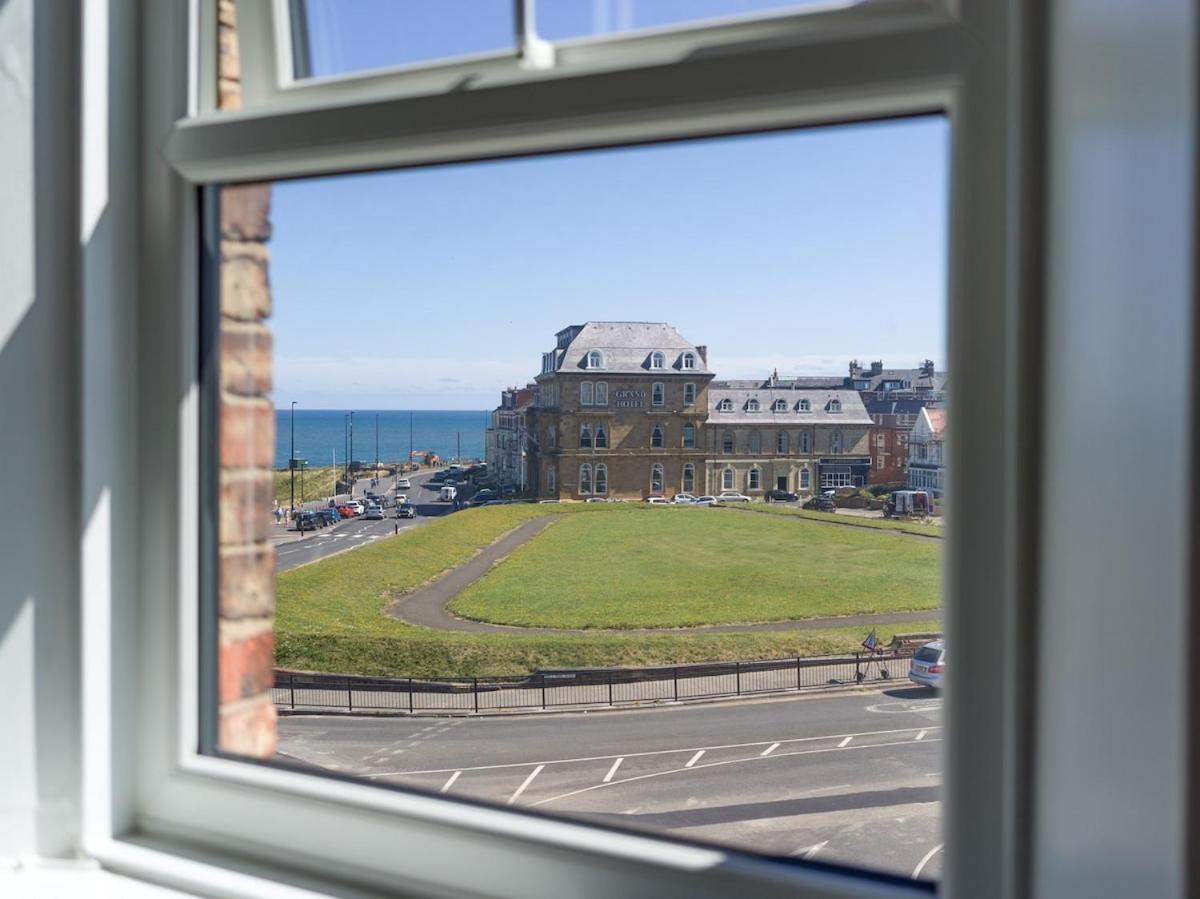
426,606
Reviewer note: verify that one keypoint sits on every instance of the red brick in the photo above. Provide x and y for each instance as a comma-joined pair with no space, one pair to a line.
246,666
228,53
248,728
245,282
246,212
247,500
247,433
245,358
247,583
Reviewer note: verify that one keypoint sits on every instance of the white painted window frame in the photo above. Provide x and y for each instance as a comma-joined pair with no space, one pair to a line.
586,395
600,388
658,361
657,470
585,483
688,468
683,437
601,431
600,479
153,806
658,394
689,394
658,435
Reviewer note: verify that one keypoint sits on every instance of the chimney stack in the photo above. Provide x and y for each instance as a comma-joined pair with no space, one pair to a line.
703,351
877,367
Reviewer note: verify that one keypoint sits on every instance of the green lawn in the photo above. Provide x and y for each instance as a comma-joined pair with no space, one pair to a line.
879,524
330,615
680,567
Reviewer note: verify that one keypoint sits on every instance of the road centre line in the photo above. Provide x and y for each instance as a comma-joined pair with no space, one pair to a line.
448,784
613,770
628,755
924,861
845,743
773,747
921,735
694,759
751,758
521,789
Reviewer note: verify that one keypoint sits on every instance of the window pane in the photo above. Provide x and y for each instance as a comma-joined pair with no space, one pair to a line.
579,18
407,468
334,37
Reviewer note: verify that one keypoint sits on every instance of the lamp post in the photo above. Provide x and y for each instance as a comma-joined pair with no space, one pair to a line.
350,460
292,464
376,444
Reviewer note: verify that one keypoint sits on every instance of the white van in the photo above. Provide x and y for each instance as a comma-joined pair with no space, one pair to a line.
448,493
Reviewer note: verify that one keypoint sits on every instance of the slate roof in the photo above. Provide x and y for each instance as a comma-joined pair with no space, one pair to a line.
853,412
627,348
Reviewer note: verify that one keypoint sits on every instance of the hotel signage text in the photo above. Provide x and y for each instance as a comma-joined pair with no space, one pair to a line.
629,398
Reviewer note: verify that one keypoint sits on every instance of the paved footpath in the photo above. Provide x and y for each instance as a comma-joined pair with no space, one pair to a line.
426,606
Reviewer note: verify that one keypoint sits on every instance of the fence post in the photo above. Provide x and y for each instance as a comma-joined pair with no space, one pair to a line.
475,690
797,672
858,675
292,685
610,701
543,692
410,699
349,697
737,673
675,671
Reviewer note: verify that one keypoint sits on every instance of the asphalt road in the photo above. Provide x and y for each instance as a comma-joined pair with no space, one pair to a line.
853,778
355,532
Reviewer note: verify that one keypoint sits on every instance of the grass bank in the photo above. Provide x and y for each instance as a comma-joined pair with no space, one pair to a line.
682,567
879,524
317,483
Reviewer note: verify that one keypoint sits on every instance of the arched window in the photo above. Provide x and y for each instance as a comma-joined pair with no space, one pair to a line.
585,479
585,436
805,442
689,436
551,479
689,478
601,393
727,442
804,406
781,442
752,479
585,393
689,394
551,436
595,359
752,405
658,361
755,443
835,405
727,479
689,362
601,437
779,406
658,393
656,479
726,405
656,436
804,479
835,442
601,479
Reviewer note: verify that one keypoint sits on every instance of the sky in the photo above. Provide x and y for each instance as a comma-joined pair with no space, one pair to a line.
436,288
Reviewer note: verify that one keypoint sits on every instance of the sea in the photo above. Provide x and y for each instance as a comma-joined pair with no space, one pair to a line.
321,434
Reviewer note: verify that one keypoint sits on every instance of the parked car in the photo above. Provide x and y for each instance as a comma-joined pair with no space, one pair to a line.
406,510
448,493
732,496
374,512
401,498
357,507
403,484
822,502
437,477
658,501
345,511
596,499
707,501
308,521
928,665
781,496
684,499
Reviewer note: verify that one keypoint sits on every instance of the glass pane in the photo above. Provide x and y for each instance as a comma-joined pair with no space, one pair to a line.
332,37
560,19
414,483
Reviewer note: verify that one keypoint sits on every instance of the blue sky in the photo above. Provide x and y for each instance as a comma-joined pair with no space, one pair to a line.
435,288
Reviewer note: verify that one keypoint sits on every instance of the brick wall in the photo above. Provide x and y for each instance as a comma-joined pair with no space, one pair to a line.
247,449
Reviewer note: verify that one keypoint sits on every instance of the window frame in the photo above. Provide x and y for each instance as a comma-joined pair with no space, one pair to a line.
585,469
600,480
152,805
688,435
586,395
601,387
658,361
689,394
601,433
658,394
658,435
658,471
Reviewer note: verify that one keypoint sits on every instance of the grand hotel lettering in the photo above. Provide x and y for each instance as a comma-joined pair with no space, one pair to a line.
629,398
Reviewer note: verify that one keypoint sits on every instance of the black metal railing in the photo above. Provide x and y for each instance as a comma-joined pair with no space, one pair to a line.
585,686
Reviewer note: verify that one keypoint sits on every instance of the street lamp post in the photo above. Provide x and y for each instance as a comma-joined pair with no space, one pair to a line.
376,444
350,460
292,464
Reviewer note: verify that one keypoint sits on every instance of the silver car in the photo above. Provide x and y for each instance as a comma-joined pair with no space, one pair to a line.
374,513
928,665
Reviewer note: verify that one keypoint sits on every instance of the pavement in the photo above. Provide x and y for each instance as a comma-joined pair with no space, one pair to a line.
853,778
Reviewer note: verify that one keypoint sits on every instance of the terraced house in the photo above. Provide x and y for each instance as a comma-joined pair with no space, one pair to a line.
620,412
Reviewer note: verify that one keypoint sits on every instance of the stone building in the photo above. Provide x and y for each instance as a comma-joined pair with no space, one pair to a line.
762,436
507,439
620,413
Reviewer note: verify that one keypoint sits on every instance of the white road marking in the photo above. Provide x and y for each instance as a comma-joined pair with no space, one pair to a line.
928,855
809,851
775,746
921,735
521,789
694,759
448,784
613,770
602,758
845,743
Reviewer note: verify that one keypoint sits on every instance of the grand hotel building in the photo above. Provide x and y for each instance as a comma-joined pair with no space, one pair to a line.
630,409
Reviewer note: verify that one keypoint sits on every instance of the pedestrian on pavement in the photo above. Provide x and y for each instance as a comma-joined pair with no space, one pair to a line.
278,514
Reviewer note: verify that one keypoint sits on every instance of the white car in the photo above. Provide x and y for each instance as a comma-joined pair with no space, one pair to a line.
356,506
374,513
658,501
403,484
684,499
447,494
928,665
707,501
401,498
731,496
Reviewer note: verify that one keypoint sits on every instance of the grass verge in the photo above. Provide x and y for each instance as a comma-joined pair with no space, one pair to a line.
878,524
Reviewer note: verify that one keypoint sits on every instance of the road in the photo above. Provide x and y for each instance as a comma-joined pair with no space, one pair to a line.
355,532
852,778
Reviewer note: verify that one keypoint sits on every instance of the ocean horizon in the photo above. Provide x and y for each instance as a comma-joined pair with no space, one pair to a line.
321,434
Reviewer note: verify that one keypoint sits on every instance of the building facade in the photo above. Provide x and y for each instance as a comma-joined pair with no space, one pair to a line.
620,412
926,460
506,447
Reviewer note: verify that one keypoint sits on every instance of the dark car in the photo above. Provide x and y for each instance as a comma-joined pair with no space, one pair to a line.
483,496
406,510
781,496
822,502
438,476
308,521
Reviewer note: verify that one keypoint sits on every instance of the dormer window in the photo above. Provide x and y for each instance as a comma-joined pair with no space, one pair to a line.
658,361
689,361
779,406
595,359
725,405
753,406
804,406
835,405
